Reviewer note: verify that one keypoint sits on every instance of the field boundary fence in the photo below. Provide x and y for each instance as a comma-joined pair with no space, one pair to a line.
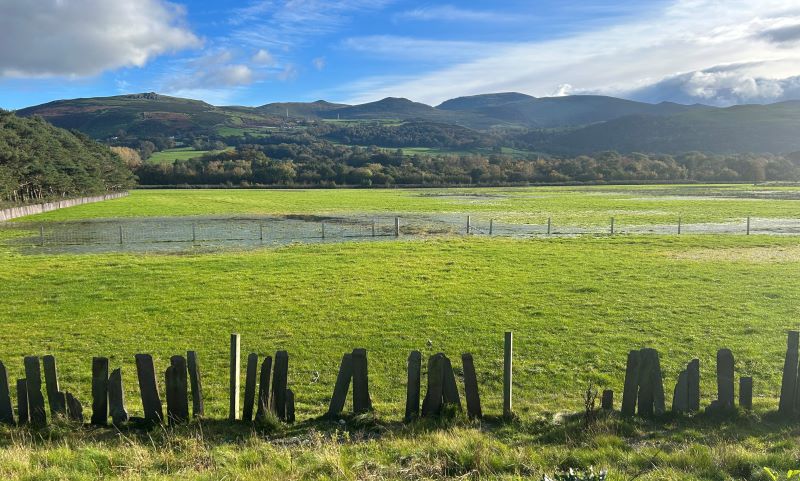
180,232
26,210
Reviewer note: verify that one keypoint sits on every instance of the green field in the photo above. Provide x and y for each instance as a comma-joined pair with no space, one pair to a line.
576,305
182,153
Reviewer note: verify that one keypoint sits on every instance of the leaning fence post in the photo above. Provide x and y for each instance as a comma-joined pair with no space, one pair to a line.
507,377
397,227
234,377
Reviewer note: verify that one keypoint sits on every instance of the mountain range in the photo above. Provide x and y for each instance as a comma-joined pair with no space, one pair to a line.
569,125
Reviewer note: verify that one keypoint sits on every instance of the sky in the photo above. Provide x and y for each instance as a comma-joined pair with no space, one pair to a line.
252,52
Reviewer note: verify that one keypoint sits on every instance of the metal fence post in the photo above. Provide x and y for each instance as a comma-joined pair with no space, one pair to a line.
507,375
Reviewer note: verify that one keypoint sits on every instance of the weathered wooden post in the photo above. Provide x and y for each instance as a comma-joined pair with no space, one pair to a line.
361,399
612,226
279,382
116,398
549,225
263,389
261,233
631,388
469,224
680,397
289,415
235,368
432,404
121,238
342,386
491,226
33,387
55,397
397,227
507,375
725,377
194,234
250,387
41,235
450,389
413,385
198,407
6,408
471,387
323,230
373,228
693,381
177,391
790,371
748,225
151,401
100,391
22,402
607,401
746,393
679,226
74,408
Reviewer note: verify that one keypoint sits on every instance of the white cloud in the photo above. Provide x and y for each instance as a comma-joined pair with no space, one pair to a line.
393,48
685,36
450,13
319,63
215,70
263,57
78,38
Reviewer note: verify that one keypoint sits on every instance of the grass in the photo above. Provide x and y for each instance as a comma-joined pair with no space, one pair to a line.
579,206
183,153
576,306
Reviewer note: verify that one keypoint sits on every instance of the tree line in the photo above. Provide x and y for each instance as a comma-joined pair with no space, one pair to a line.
39,162
316,162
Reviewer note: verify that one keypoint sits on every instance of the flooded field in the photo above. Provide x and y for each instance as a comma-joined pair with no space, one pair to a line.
193,233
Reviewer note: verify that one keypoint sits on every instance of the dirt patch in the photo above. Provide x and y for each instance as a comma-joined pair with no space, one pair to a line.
742,254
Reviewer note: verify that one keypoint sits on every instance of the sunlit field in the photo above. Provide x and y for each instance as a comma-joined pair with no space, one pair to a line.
576,306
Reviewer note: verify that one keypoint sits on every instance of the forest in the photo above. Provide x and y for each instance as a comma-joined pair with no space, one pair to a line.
314,162
39,162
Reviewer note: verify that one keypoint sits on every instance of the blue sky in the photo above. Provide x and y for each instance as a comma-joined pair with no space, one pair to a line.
250,52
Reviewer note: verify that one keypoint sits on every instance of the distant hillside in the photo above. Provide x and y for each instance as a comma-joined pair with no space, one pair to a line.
144,115
414,133
299,109
557,112
39,161
745,128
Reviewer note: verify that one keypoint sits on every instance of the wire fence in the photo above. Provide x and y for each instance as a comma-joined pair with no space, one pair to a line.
182,233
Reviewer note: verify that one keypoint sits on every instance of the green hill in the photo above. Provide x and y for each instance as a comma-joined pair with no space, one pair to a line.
144,115
39,161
